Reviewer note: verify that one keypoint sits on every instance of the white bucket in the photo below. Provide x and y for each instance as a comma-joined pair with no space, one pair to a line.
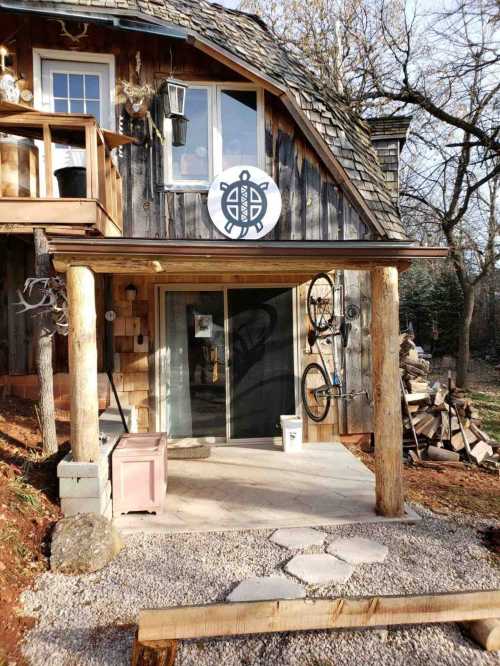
291,428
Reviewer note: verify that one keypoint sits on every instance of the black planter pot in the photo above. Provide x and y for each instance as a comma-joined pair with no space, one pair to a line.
72,182
179,130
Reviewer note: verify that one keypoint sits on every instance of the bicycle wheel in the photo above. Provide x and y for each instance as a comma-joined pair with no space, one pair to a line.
320,302
315,392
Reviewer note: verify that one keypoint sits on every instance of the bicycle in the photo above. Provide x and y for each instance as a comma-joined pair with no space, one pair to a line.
318,386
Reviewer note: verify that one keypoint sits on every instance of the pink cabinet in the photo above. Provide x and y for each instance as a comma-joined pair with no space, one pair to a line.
139,466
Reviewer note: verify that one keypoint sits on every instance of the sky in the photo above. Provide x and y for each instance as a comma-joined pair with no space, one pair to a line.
228,3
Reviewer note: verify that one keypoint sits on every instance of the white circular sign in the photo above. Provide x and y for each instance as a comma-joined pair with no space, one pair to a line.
244,203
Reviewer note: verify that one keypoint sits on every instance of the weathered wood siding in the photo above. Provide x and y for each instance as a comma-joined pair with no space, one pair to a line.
313,206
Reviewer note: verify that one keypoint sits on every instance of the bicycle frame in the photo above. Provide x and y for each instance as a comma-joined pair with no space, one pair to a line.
329,390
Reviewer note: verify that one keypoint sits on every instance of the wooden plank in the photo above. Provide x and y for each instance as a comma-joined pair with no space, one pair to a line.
228,619
119,263
47,149
386,392
82,346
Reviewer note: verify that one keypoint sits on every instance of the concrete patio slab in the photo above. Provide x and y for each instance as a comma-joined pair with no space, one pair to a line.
358,550
266,587
294,538
320,569
255,486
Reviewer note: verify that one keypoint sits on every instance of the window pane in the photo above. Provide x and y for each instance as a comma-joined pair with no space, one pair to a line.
76,105
91,86
61,105
76,85
60,85
190,162
93,108
239,127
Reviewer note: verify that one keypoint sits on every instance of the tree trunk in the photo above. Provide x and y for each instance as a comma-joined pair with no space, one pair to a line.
492,312
43,335
464,338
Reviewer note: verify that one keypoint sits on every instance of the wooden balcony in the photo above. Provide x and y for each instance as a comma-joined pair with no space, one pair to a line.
100,213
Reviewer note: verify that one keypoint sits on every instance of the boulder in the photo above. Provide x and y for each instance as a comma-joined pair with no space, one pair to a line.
83,543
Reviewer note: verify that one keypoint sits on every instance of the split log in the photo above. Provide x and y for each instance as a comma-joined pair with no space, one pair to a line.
485,632
480,452
435,453
154,653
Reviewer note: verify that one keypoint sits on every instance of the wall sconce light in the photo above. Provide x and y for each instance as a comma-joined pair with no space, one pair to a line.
131,292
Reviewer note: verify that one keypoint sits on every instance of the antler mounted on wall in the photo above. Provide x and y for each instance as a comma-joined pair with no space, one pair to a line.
74,39
53,300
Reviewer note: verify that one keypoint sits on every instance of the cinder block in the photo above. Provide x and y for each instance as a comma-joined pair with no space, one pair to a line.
83,487
68,468
73,505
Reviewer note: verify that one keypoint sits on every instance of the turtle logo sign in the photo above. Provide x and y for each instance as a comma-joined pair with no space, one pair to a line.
244,202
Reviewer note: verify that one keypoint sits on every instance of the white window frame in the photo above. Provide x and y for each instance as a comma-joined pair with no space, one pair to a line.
214,134
74,56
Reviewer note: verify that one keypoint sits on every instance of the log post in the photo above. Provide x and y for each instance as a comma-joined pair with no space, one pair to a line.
387,392
82,346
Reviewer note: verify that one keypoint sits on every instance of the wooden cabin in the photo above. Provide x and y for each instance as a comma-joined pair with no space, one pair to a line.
203,325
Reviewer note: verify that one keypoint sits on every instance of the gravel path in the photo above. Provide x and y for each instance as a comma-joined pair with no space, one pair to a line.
88,620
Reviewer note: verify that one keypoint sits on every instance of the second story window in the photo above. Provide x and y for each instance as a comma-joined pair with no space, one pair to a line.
225,129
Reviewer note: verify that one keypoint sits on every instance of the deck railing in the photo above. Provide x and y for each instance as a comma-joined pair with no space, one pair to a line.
103,180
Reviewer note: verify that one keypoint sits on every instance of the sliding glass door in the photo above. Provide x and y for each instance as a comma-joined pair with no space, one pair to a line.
227,359
195,364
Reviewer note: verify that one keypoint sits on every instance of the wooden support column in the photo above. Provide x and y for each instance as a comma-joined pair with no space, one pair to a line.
83,364
386,392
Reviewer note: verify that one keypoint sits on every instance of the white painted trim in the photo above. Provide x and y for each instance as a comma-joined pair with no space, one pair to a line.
74,56
214,134
159,350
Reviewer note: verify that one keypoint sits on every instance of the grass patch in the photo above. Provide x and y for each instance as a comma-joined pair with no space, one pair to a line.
488,405
25,494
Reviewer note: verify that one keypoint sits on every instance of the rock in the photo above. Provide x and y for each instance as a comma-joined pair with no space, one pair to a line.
83,543
319,569
298,537
358,550
264,588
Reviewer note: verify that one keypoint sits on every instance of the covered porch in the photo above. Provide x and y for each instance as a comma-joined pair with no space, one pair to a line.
256,486
327,468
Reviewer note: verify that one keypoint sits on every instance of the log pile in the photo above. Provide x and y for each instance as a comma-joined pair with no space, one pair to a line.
440,427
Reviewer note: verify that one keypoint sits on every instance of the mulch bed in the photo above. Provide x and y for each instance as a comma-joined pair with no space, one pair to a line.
28,511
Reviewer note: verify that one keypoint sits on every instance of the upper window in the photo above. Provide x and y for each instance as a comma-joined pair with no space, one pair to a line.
225,129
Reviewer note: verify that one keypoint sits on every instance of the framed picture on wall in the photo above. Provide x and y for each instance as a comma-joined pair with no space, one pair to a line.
203,326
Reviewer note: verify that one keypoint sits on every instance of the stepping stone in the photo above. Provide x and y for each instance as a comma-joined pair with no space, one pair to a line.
264,588
319,569
358,550
298,537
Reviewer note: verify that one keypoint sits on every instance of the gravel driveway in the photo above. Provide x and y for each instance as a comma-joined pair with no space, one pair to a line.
88,620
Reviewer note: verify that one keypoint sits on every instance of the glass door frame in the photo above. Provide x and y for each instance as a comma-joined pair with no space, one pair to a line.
161,361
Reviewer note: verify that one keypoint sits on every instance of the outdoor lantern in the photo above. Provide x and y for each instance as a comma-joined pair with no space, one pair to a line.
179,130
173,95
131,292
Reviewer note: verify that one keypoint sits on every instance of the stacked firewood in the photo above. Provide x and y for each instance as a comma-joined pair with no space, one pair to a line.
440,425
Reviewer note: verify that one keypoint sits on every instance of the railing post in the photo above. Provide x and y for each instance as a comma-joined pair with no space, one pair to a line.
47,149
386,392
83,364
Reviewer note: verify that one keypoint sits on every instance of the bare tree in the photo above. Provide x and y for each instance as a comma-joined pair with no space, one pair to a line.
444,67
50,315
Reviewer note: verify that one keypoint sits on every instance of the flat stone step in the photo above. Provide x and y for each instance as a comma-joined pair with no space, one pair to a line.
295,538
357,550
320,569
265,588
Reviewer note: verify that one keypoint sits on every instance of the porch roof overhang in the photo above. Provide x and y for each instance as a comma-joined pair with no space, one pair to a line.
140,256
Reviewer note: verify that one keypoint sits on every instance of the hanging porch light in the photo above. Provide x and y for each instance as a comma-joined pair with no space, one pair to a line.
173,95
